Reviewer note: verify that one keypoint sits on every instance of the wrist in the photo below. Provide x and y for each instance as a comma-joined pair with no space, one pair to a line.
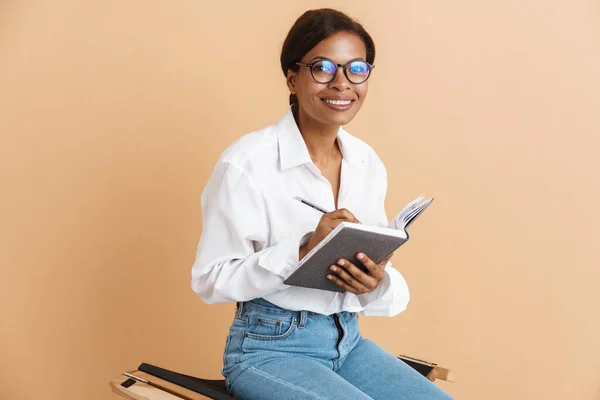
306,245
303,251
306,248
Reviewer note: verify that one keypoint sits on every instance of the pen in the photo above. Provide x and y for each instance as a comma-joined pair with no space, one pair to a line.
312,205
156,385
137,378
417,360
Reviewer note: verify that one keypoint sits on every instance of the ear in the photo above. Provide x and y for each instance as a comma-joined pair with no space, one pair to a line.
291,81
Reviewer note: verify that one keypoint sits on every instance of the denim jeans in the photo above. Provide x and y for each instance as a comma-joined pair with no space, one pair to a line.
273,353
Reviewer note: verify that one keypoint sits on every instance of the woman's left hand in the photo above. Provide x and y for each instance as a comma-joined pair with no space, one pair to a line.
355,280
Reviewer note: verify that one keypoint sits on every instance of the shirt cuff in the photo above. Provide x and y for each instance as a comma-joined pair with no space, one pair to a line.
390,298
284,256
377,293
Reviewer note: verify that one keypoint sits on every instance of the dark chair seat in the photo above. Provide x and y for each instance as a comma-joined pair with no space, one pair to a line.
216,389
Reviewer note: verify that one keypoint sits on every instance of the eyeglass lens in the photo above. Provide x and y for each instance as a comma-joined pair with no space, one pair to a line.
324,71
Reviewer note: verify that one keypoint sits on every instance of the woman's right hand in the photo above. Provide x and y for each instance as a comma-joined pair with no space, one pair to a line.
327,223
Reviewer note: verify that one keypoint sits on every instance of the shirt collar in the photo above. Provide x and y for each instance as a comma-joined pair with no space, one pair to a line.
293,150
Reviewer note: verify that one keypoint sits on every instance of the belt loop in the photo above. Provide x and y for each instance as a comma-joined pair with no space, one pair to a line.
302,322
239,309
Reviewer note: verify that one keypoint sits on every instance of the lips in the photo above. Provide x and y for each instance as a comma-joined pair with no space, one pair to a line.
338,104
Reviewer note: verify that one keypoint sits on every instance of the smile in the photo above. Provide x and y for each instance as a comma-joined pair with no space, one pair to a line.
338,102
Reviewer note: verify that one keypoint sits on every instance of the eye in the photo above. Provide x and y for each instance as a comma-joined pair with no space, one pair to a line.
324,66
359,68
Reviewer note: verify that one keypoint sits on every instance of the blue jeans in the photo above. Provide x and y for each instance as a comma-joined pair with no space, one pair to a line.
274,353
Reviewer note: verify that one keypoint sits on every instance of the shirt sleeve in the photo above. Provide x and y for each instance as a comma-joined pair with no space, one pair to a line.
228,266
391,296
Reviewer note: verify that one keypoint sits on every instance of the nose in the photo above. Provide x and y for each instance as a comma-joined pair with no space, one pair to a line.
340,82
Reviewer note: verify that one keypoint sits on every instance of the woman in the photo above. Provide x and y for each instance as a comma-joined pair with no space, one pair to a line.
290,342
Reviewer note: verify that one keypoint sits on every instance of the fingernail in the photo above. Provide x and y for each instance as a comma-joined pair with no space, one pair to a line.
341,262
333,268
360,256
329,277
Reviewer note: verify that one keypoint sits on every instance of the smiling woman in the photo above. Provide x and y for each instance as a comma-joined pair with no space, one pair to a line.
323,44
321,82
287,341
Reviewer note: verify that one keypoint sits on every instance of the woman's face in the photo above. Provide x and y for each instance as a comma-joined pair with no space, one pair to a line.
337,102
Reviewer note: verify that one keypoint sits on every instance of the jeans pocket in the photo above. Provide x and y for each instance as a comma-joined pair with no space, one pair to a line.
225,352
265,326
226,349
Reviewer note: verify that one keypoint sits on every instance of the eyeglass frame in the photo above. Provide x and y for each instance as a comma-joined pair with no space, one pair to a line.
345,69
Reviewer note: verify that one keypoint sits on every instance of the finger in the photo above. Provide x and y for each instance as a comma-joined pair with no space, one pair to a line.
332,223
374,269
329,221
343,214
386,260
338,281
353,276
348,287
355,272
355,221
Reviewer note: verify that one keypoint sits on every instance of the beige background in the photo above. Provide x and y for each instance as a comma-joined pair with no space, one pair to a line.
113,113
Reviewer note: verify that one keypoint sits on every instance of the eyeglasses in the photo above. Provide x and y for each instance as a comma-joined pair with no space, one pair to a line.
325,71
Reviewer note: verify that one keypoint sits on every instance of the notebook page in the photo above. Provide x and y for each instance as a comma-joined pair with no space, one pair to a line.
410,213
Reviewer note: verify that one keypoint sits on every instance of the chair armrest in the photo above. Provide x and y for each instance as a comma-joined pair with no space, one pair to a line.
144,391
430,370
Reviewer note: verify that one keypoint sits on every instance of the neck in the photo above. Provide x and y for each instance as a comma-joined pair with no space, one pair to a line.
320,139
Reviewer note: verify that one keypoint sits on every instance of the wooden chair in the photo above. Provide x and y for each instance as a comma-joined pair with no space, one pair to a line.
149,382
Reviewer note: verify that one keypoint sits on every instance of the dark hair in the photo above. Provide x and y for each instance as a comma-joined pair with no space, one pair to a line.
311,28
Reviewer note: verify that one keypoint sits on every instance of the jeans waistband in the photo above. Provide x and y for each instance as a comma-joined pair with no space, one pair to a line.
263,305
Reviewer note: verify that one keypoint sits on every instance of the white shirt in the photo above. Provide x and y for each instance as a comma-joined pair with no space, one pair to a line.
253,228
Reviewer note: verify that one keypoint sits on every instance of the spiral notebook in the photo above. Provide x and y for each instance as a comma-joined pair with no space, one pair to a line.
349,238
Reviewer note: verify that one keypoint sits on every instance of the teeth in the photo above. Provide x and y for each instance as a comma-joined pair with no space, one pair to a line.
338,102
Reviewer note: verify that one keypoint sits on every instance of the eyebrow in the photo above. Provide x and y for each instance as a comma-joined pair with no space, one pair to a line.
327,58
